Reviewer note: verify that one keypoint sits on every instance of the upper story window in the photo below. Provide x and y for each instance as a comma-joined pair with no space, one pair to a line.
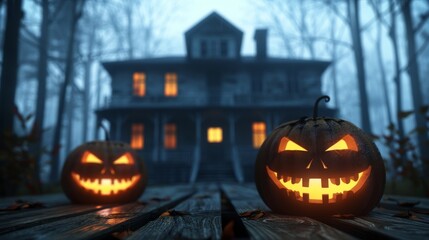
170,87
214,135
203,48
258,133
170,138
139,84
214,47
223,48
137,136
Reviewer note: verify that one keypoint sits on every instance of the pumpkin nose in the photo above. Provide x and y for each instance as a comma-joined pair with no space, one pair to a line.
103,171
316,165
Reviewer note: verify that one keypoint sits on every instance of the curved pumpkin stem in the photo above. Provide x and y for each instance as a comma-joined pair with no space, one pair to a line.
316,104
106,132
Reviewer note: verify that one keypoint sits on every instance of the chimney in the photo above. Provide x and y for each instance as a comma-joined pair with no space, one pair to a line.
261,43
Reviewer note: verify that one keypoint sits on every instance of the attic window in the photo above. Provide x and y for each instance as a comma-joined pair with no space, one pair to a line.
224,48
203,47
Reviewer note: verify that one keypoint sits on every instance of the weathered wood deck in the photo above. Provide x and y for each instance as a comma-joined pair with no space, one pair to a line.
205,211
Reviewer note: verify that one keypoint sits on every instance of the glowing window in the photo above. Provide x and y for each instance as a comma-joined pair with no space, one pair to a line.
139,84
170,88
214,135
137,137
259,133
170,139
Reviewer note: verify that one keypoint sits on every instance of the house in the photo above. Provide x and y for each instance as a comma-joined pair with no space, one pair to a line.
203,116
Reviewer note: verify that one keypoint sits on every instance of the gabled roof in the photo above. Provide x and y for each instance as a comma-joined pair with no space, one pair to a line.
214,19
214,24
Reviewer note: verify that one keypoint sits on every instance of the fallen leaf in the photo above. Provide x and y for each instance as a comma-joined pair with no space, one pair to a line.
122,235
20,204
157,199
407,214
408,204
253,215
173,213
344,216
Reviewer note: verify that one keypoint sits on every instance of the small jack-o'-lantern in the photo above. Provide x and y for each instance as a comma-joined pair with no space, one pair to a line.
319,166
103,172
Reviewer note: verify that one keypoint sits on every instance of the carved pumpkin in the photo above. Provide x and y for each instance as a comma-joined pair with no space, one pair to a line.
103,172
319,166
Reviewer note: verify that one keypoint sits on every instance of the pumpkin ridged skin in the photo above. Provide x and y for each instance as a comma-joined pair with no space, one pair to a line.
107,151
317,135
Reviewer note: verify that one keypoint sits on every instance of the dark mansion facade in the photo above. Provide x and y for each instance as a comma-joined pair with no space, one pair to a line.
203,116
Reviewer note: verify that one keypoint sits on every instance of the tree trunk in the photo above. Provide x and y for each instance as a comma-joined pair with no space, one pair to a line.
62,97
383,72
9,69
129,13
41,86
353,15
413,73
334,58
70,112
87,87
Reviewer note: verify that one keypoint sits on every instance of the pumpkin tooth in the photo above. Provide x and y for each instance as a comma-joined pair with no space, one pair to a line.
333,181
355,177
295,180
285,178
279,176
346,179
112,181
305,182
288,179
337,181
325,198
338,197
305,197
325,183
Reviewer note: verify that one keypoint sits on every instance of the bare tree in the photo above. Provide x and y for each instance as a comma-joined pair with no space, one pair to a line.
10,66
413,73
353,20
77,7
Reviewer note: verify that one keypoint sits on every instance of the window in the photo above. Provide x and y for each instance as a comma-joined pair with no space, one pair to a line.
214,134
259,133
139,84
170,139
170,88
137,137
203,47
223,48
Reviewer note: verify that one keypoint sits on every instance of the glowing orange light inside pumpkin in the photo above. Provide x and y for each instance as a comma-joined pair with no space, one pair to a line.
124,159
346,143
288,145
315,191
88,157
105,186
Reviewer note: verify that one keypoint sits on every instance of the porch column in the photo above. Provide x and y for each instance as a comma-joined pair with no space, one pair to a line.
156,132
197,151
161,137
118,130
235,156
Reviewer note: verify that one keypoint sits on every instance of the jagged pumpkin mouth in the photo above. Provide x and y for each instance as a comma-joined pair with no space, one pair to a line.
320,190
105,186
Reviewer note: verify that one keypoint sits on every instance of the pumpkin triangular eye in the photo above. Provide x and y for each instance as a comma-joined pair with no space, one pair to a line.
346,143
88,157
288,145
124,159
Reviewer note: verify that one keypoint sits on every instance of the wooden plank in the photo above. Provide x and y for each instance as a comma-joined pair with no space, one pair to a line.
201,219
276,226
102,223
377,225
49,200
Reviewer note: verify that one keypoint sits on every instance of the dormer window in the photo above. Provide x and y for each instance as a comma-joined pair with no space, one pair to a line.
170,87
139,84
203,48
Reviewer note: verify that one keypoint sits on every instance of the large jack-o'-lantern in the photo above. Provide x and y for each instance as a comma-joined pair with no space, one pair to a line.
319,166
103,172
